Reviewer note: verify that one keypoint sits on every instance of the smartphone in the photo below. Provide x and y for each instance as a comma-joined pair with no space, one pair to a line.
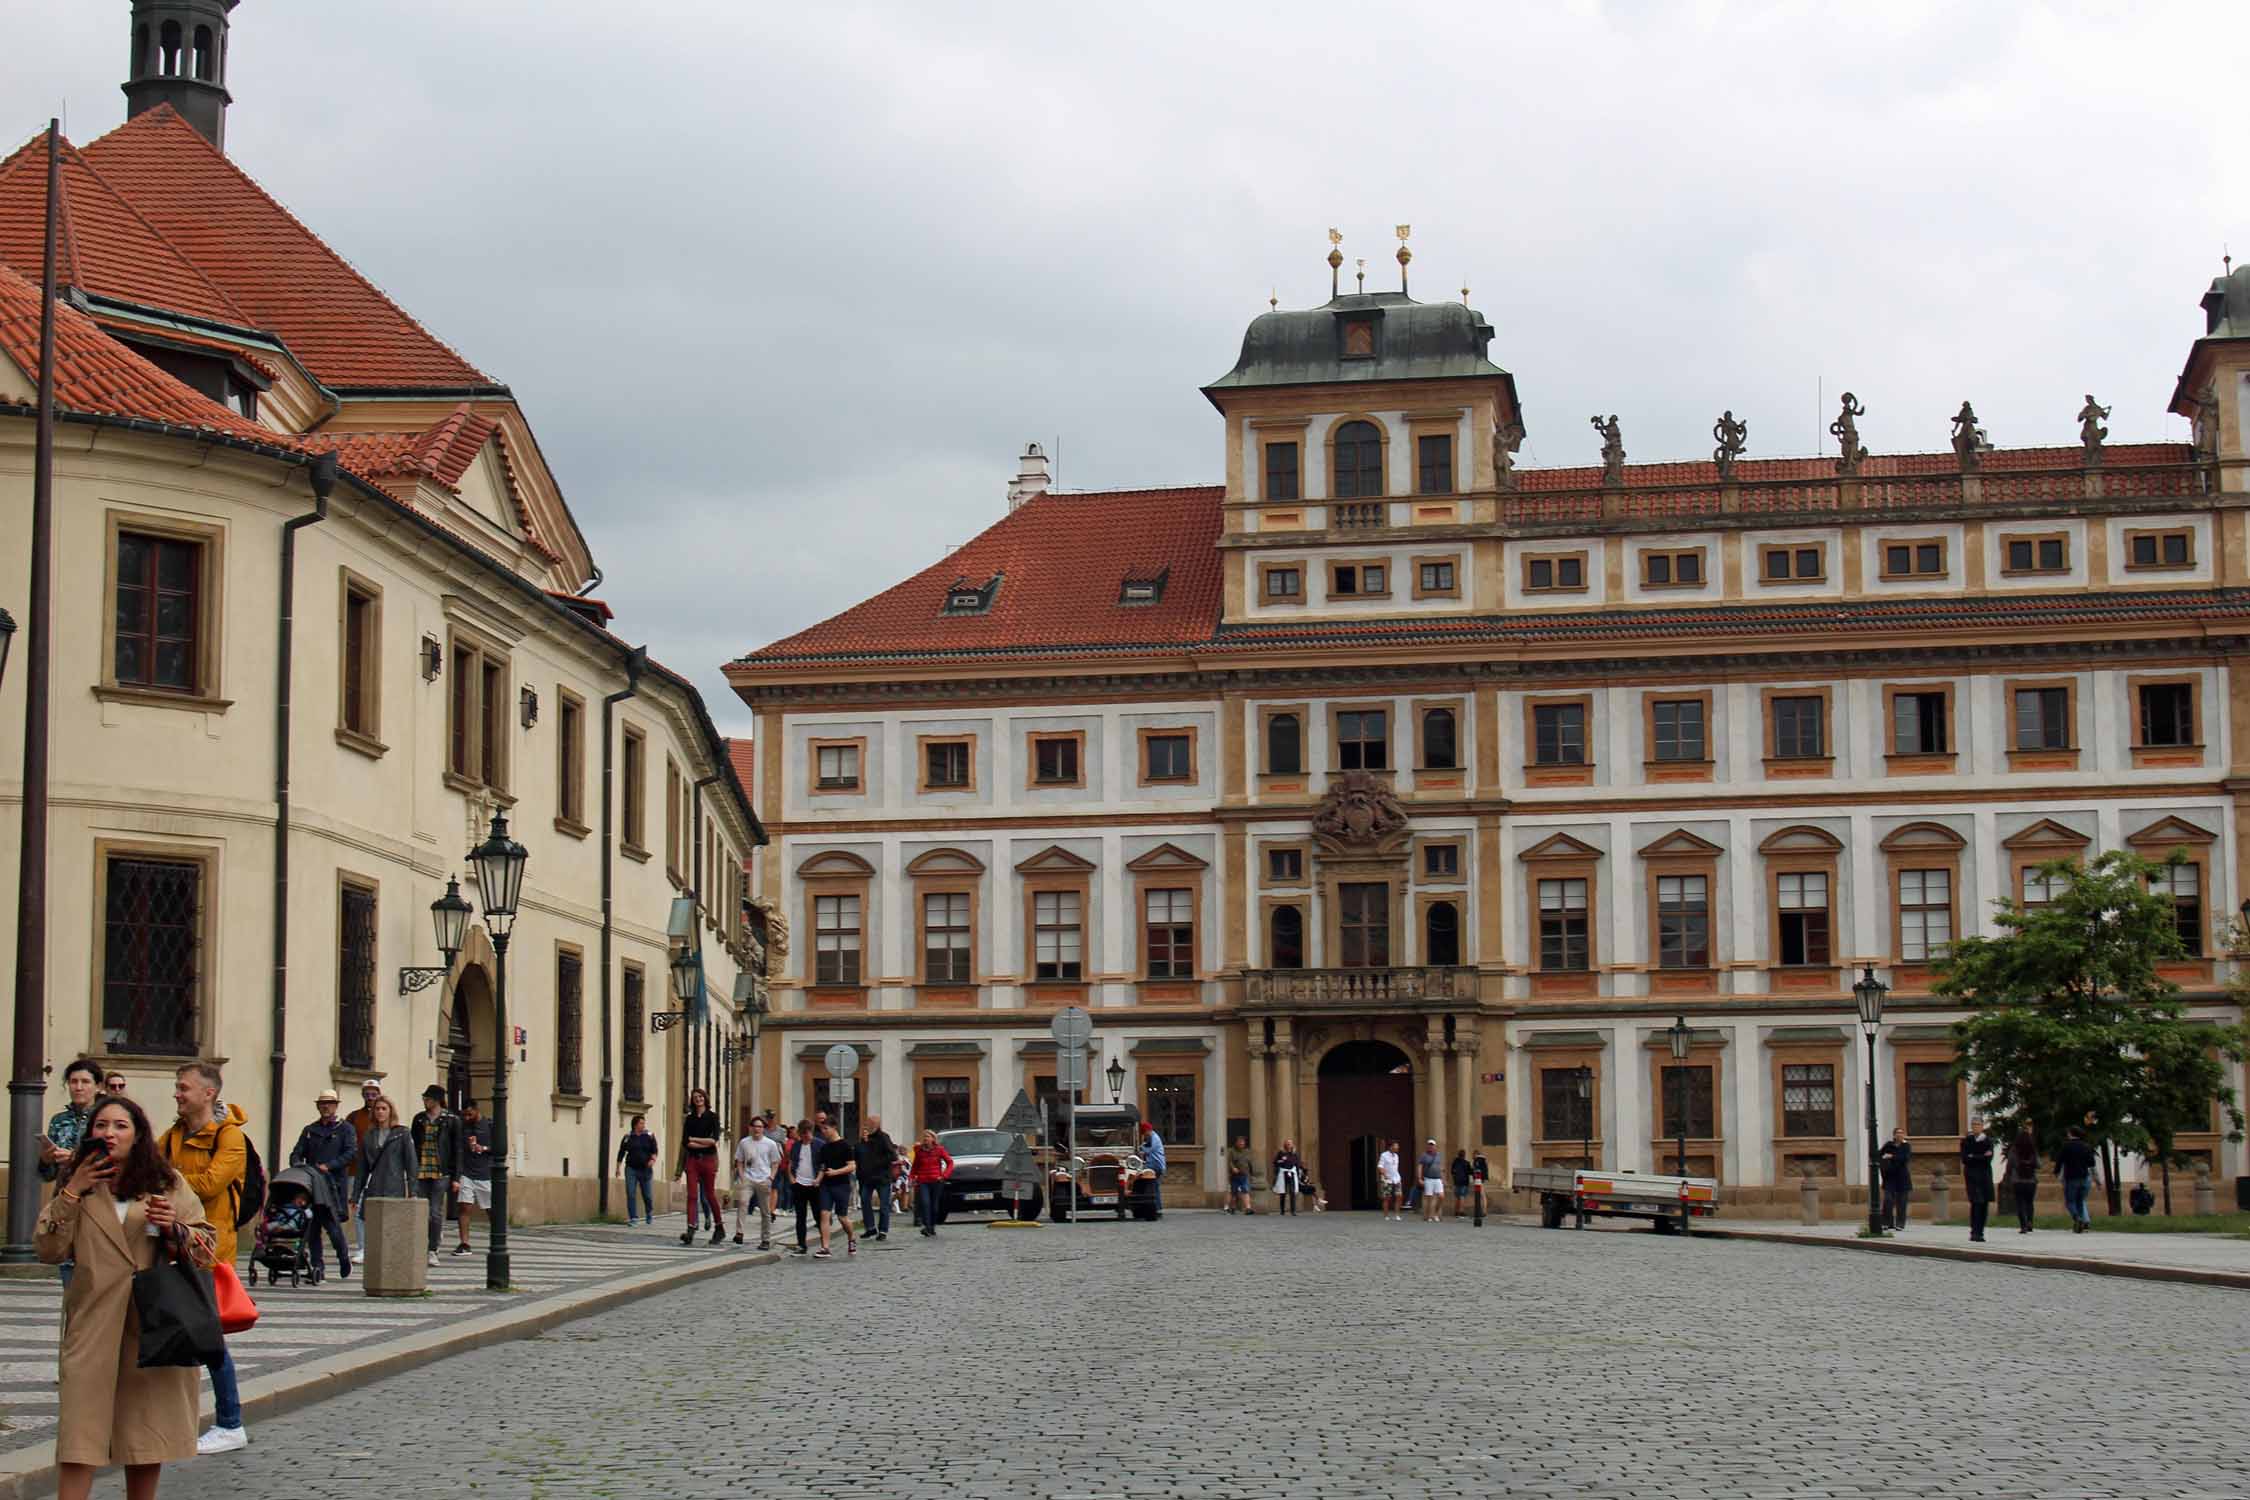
46,1146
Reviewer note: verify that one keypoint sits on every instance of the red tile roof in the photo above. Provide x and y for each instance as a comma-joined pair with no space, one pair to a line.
440,453
347,332
743,754
103,244
1061,561
1875,466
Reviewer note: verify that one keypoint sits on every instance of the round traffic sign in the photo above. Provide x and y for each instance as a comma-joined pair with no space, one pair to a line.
1073,1028
843,1060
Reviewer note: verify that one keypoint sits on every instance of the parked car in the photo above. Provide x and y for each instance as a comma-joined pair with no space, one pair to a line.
1105,1171
975,1184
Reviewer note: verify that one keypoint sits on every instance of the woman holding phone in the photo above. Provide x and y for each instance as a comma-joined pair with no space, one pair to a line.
120,1209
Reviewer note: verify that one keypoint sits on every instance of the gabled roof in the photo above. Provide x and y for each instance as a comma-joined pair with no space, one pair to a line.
1059,561
278,272
103,245
441,454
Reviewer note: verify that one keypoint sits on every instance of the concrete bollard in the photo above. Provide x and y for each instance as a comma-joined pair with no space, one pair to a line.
1808,1200
1941,1196
2206,1196
397,1240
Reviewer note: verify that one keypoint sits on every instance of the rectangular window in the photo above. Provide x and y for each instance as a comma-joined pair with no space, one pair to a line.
1437,578
1679,730
1690,1107
1800,730
2042,718
2167,711
1171,1107
1364,925
1433,458
2184,884
1918,724
1557,575
945,764
1363,740
1171,934
1563,947
2040,889
355,977
1683,922
1441,861
945,937
836,940
1281,471
1285,864
636,789
1925,915
1054,760
2159,549
1802,900
1933,1100
1808,1099
945,1103
1170,757
634,1064
1284,583
362,666
1558,734
1682,569
158,612
492,742
1057,935
570,758
1914,559
675,822
1358,580
152,931
570,1024
1795,564
836,768
1563,1116
2037,554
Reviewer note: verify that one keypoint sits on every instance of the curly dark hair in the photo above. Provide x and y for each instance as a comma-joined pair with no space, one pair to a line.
143,1170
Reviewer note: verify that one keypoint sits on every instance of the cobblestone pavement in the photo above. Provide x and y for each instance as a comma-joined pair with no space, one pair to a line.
1328,1355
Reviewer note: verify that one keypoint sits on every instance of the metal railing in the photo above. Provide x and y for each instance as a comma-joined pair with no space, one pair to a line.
1359,987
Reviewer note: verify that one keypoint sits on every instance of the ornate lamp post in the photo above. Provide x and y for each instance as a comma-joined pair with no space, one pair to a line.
1583,1083
7,639
1870,992
498,864
1679,1036
1115,1073
449,915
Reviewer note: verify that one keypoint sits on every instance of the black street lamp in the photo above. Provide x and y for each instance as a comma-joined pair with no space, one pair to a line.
1115,1073
1679,1036
1583,1082
449,916
7,639
498,864
1870,992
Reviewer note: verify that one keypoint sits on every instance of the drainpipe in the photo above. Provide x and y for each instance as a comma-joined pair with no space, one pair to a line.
635,661
321,474
701,1031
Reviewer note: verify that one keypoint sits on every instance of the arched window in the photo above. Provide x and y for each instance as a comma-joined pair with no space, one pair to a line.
142,59
1438,750
204,59
1441,935
1285,745
1357,470
168,49
1286,932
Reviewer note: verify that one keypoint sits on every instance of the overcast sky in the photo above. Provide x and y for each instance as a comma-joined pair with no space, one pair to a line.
785,288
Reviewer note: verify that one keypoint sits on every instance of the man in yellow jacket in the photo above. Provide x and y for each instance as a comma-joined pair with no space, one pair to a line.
208,1146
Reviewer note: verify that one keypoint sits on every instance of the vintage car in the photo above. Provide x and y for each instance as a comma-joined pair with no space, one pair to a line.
976,1186
1103,1170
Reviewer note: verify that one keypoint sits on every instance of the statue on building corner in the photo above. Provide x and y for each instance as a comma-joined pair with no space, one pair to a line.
2090,428
1968,438
2207,423
1506,439
1732,437
1845,429
1613,449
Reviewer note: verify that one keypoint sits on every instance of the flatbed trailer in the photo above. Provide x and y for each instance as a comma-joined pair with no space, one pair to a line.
1574,1193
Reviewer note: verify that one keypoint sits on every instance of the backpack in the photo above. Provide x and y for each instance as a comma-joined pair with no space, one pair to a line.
253,1183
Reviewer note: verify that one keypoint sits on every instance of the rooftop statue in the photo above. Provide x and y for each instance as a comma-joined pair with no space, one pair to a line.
1966,436
1732,437
2090,428
1845,429
1613,449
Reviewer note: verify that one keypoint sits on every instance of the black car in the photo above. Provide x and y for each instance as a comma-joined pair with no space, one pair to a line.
974,1186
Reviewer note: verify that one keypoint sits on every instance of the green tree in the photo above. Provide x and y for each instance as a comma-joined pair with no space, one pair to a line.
2073,1023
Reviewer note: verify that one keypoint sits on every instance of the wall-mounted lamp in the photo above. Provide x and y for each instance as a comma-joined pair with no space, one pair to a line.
527,705
433,658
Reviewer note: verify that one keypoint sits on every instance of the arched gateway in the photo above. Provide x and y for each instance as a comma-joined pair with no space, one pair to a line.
1366,1099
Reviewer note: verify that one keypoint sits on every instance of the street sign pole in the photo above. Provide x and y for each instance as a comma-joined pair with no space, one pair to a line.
1072,1029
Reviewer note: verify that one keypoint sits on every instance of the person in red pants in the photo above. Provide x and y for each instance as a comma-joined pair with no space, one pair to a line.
699,1163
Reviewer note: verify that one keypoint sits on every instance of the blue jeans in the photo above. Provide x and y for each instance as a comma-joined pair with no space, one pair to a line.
874,1195
2074,1197
927,1196
226,1396
640,1182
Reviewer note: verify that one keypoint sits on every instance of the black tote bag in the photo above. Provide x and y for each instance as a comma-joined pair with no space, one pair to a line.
179,1314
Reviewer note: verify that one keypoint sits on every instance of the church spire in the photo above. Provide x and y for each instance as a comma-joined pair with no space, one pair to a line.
180,58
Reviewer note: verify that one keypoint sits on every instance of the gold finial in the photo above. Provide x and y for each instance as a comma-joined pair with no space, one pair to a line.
1335,262
1464,294
1404,255
1403,231
1273,299
1362,273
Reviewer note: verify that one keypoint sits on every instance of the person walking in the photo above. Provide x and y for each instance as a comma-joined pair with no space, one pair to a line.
1431,1170
931,1165
756,1156
1288,1178
836,1164
1480,1174
330,1149
1976,1177
208,1147
804,1178
636,1156
2023,1175
359,1119
1895,1165
1461,1172
1387,1178
120,1209
473,1188
1152,1156
2074,1163
699,1164
1238,1177
437,1151
874,1159
66,1127
386,1159
784,1182
113,1084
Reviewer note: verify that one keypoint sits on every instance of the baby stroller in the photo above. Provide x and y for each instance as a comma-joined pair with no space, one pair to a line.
282,1242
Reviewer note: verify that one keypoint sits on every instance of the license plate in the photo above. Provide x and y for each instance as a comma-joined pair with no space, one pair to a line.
1099,1198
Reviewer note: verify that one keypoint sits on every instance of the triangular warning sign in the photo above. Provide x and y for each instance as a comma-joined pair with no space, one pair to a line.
1022,1117
1016,1165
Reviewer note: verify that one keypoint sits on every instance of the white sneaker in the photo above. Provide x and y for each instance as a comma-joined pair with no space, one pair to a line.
433,1260
223,1440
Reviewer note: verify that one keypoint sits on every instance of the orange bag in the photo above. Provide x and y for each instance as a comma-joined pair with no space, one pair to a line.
237,1313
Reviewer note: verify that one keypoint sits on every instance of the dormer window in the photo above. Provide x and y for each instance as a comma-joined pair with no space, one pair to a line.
966,598
1359,338
1142,586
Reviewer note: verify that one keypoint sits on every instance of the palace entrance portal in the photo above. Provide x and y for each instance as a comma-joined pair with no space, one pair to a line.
1366,1100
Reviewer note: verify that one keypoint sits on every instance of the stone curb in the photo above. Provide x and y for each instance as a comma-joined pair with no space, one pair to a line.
2133,1269
30,1472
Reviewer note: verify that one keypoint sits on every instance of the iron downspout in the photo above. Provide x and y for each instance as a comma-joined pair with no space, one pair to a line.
699,1052
635,660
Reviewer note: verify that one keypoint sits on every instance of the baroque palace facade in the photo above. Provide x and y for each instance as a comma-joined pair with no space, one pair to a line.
1382,788
256,796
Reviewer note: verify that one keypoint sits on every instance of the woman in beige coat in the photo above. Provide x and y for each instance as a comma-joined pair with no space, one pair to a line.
119,1209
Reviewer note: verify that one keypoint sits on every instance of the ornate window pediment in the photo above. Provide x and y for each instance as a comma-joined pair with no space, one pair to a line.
945,862
2047,834
1923,836
1560,846
2169,833
1053,860
834,862
1680,842
1167,857
1801,839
